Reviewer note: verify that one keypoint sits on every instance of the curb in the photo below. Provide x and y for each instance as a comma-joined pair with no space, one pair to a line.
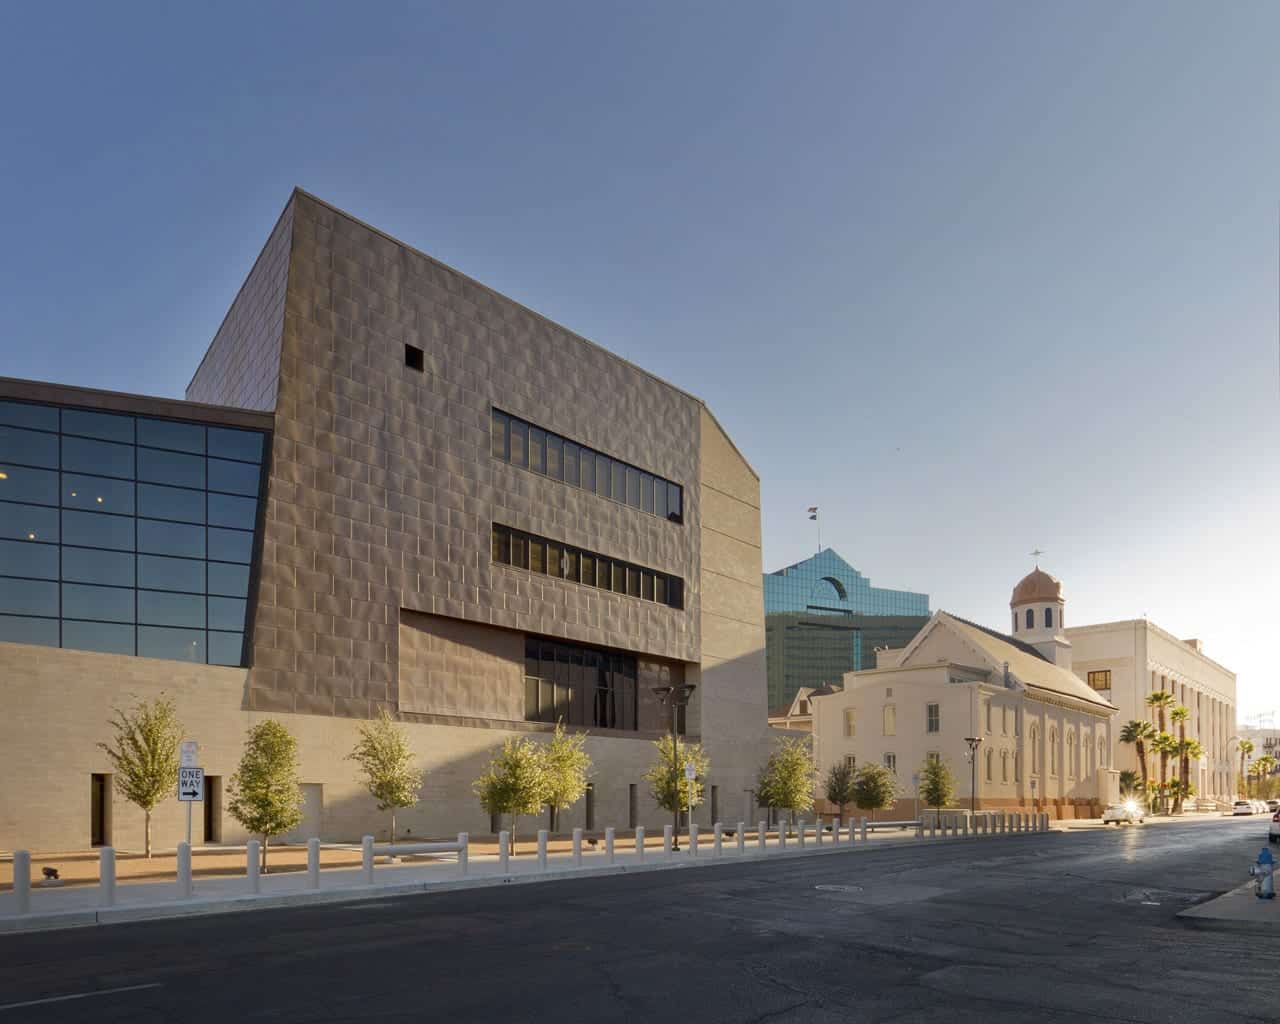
57,920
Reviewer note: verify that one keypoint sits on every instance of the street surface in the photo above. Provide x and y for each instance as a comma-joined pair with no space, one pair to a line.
1073,926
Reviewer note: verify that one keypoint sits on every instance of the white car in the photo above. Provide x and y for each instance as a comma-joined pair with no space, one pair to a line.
1125,813
1243,807
1273,834
1260,806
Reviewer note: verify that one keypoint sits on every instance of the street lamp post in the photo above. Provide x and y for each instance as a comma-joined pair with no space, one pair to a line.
974,742
676,696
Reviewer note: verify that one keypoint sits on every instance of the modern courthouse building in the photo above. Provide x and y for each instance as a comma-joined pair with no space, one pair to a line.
823,618
389,487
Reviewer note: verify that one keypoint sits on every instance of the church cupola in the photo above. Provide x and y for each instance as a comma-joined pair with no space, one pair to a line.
1038,608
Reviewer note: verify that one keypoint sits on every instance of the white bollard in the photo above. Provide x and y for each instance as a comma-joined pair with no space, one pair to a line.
366,859
920,828
184,871
504,852
542,849
1044,821
782,836
22,881
693,839
864,830
966,828
253,865
313,863
577,847
762,834
666,840
639,843
718,833
933,827
107,876
741,836
464,853
608,845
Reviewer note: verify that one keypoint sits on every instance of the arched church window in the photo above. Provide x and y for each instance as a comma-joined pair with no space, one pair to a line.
1031,618
1102,753
1015,622
990,759
1035,750
1004,766
1048,618
1017,766
1072,767
1053,752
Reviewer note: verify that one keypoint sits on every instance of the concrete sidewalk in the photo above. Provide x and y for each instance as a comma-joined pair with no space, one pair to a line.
79,906
1238,910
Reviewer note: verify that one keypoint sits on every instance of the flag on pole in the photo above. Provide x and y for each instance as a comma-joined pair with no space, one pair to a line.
813,512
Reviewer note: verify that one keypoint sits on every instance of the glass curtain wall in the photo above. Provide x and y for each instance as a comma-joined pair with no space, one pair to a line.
126,534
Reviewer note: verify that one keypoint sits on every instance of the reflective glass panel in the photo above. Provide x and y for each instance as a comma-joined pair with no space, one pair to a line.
28,597
588,470
22,414
230,545
170,468
106,604
236,477
92,530
498,438
519,444
170,503
228,443
646,492
15,629
89,565
231,580
224,648
159,608
170,538
555,457
228,510
28,522
173,644
633,487
102,458
183,437
97,494
19,483
227,613
27,447
23,558
105,426
537,449
571,451
105,637
602,475
619,490
159,573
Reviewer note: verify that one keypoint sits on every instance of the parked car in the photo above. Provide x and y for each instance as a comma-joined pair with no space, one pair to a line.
1273,834
1260,806
1126,813
1273,805
1243,807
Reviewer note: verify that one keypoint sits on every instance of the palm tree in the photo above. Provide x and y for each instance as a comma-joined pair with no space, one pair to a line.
1130,782
1246,748
1265,765
1138,733
1161,700
1166,747
1188,751
1180,715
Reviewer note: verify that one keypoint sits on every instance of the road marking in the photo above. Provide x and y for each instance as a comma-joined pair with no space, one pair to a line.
78,995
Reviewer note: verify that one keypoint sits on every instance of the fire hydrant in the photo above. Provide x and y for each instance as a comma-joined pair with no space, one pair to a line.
1263,882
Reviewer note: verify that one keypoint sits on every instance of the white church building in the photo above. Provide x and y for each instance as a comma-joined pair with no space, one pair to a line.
1045,740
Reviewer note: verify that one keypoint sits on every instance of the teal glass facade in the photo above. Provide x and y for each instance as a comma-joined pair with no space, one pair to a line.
824,618
127,534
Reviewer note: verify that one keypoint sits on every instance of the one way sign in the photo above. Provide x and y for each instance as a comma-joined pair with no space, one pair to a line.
190,784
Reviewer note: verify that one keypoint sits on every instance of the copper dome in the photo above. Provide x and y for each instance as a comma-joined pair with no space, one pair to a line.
1036,587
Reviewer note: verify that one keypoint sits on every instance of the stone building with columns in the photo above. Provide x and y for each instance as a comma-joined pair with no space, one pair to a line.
1127,661
389,488
1044,739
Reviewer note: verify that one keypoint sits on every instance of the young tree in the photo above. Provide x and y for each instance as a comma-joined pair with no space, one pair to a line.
667,784
568,766
1139,733
386,764
937,785
786,778
515,782
144,754
839,786
266,793
874,788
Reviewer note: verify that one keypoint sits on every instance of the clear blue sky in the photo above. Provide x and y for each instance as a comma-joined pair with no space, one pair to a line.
974,278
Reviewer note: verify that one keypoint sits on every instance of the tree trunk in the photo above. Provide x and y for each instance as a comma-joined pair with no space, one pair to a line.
514,817
265,840
393,827
146,841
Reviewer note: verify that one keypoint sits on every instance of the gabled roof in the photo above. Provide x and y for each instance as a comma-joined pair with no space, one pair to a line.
1026,665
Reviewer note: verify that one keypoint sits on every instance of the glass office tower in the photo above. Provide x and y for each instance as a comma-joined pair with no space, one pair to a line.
823,618
127,534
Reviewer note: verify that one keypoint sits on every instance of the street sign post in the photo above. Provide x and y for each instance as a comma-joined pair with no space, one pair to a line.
690,773
190,790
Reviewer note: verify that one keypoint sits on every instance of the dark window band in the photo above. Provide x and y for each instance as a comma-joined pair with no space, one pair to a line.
551,558
579,685
522,444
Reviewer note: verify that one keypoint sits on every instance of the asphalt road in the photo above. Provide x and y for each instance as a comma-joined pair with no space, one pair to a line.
1064,927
